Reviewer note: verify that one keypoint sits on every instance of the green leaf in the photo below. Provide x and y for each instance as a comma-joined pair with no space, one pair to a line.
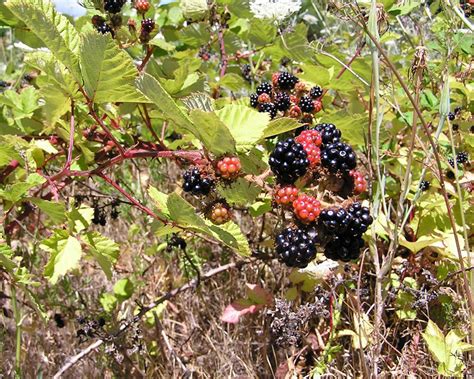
56,211
160,200
155,92
108,302
123,289
233,82
65,256
213,133
52,28
104,250
420,243
80,218
6,255
109,73
280,125
240,192
16,191
184,213
245,124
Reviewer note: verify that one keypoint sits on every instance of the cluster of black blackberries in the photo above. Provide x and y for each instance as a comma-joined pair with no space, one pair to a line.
287,95
196,183
344,228
114,6
296,247
288,161
100,214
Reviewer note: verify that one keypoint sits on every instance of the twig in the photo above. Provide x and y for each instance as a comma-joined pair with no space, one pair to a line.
224,59
72,129
149,54
71,361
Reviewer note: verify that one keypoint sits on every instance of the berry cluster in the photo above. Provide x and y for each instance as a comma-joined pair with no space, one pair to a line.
289,161
287,95
344,229
219,213
142,6
296,247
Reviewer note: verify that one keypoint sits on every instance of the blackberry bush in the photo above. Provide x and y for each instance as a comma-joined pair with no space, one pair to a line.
295,247
288,161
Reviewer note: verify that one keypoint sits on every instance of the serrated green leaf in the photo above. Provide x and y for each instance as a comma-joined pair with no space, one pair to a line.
155,92
80,218
233,82
6,255
184,213
160,200
123,289
260,207
52,28
56,211
104,250
279,126
66,253
245,124
240,192
213,133
200,101
109,73
16,191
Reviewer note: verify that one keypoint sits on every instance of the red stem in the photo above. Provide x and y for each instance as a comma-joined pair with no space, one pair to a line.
12,166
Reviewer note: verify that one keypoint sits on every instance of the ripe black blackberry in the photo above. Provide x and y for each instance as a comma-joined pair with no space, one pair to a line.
329,133
451,162
455,127
361,219
282,101
287,81
425,185
343,247
316,92
269,108
254,100
148,25
338,157
195,183
104,29
451,116
113,6
288,161
462,157
265,87
306,104
246,71
295,247
335,220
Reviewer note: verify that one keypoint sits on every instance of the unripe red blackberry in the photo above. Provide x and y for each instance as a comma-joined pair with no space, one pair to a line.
142,6
287,81
296,247
318,106
219,213
359,181
306,104
311,139
301,87
264,98
229,167
275,77
316,92
286,195
113,6
306,208
264,87
295,111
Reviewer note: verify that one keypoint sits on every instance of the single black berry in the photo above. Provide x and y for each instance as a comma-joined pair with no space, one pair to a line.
269,108
306,104
455,127
148,25
450,174
451,116
254,100
425,185
295,247
288,161
287,81
329,133
338,157
457,110
282,101
246,71
265,87
316,92
343,247
113,6
462,157
335,220
104,29
361,219
451,162
195,183
59,320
